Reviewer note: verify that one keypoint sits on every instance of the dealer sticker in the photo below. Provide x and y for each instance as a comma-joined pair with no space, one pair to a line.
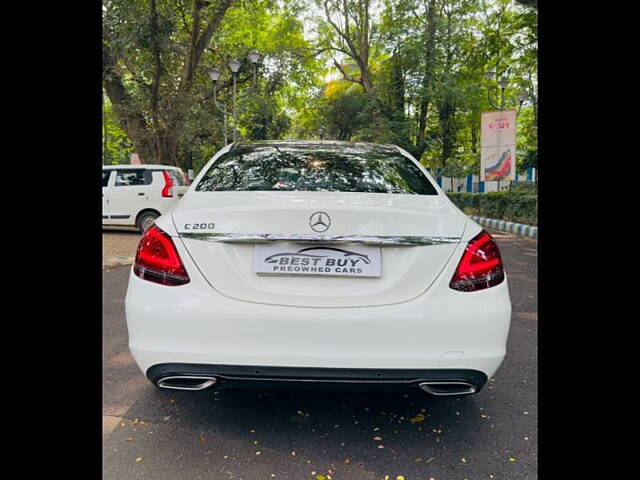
303,259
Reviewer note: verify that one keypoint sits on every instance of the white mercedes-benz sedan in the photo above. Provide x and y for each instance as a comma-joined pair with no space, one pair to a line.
319,264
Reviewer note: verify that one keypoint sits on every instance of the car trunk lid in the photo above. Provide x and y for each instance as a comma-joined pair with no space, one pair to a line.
416,235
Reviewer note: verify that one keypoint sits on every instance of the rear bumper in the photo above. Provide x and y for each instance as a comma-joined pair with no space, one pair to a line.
243,376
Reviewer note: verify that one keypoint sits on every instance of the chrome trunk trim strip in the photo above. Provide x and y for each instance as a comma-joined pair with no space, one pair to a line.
401,241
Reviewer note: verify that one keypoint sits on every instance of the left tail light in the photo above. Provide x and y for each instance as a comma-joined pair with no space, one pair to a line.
480,266
157,259
167,192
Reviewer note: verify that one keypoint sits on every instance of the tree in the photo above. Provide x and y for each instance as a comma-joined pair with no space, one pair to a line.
408,72
151,58
348,30
344,116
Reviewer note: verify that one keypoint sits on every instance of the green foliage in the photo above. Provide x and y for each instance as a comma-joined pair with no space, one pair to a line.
116,146
344,116
168,109
429,85
408,72
521,207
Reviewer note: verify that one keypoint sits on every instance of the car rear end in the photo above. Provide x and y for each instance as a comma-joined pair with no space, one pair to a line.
223,292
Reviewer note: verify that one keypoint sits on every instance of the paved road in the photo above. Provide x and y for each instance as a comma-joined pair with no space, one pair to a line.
160,434
118,247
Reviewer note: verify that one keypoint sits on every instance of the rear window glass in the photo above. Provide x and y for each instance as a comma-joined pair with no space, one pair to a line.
316,169
125,178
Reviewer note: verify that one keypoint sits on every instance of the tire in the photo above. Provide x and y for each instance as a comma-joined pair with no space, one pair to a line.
145,220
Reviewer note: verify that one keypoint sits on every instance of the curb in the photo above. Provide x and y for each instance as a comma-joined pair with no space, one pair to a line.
116,262
511,227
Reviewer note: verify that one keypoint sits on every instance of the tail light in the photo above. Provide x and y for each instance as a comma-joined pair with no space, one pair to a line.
157,259
480,266
168,183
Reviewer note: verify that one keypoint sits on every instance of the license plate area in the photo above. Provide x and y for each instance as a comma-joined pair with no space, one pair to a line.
285,258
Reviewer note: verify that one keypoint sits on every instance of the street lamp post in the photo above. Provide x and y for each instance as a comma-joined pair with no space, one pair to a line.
254,57
214,74
234,65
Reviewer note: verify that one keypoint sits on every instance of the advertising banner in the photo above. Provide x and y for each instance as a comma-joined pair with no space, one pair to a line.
498,146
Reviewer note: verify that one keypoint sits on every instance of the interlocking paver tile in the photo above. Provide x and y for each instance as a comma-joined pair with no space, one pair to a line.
118,248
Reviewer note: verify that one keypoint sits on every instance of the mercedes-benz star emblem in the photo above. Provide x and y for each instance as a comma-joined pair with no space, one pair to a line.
319,222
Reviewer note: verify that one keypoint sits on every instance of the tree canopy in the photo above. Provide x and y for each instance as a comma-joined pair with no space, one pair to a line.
409,72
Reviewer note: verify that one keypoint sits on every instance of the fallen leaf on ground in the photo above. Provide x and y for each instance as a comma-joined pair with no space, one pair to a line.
418,418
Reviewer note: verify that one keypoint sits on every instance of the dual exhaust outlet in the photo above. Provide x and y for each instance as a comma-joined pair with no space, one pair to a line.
196,382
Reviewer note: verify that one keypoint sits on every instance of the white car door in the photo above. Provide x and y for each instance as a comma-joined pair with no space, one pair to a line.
130,192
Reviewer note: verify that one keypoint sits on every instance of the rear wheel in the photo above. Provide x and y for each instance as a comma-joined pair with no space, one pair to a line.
145,220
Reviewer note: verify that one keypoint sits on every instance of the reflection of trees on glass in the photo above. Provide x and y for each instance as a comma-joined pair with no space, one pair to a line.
317,168
125,178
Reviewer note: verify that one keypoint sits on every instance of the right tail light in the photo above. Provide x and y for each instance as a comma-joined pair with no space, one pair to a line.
480,266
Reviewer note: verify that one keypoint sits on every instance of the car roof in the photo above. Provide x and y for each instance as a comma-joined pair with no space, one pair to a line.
144,166
327,144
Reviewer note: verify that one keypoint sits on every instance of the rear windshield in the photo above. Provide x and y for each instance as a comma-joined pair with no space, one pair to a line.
315,169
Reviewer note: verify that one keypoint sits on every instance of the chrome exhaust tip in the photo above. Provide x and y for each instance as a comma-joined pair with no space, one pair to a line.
444,388
186,382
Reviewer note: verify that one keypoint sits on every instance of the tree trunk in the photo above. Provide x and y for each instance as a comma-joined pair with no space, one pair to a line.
398,88
447,130
429,62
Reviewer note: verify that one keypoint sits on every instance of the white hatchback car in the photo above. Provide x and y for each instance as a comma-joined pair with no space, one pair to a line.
322,263
135,195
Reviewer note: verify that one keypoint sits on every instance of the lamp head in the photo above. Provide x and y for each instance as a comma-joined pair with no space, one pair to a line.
214,74
253,56
235,65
